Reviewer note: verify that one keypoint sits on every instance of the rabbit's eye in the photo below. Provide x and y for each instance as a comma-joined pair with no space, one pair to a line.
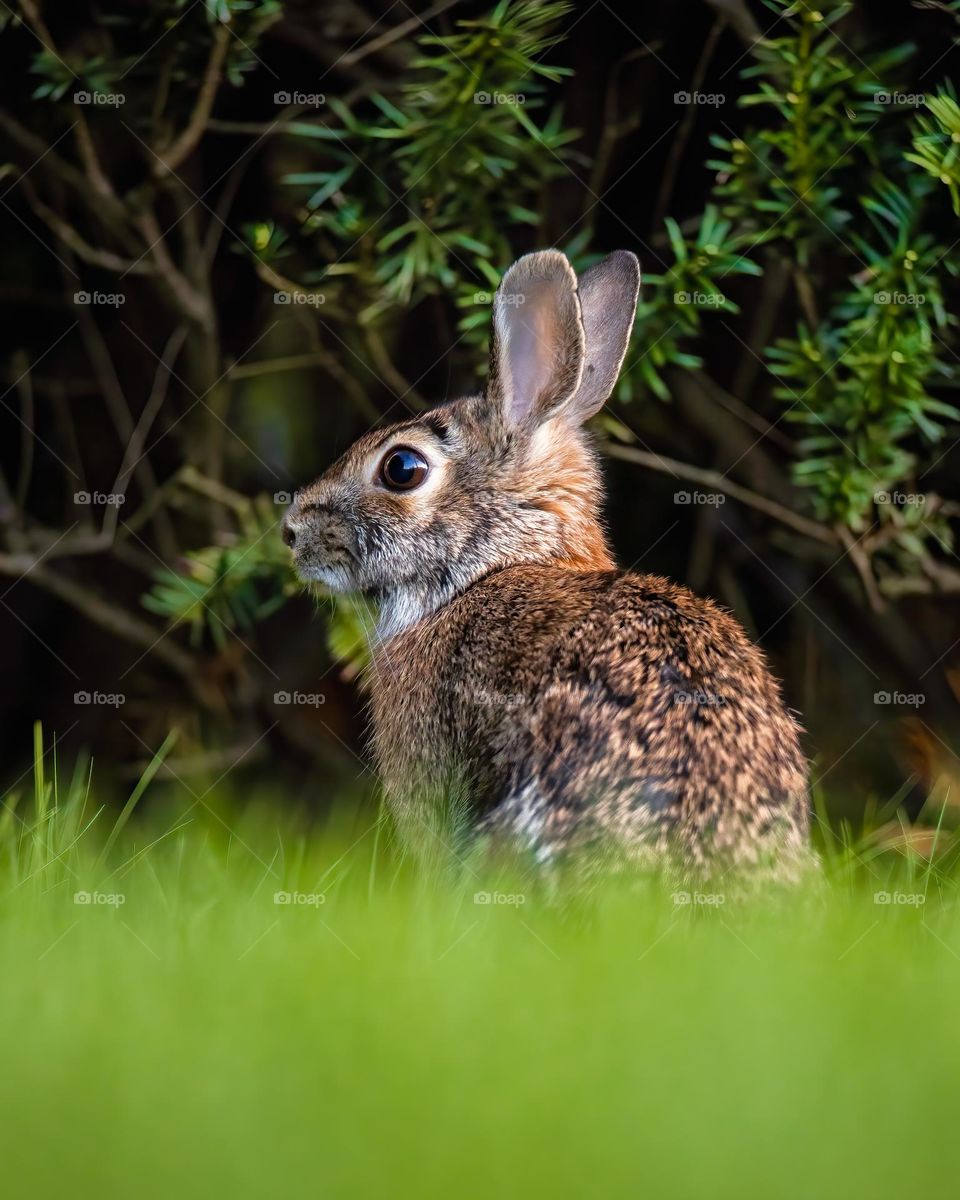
403,469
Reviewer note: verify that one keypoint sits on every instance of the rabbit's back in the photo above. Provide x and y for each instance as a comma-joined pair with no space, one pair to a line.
583,706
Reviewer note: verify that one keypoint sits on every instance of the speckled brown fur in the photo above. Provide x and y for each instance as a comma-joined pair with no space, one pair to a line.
575,706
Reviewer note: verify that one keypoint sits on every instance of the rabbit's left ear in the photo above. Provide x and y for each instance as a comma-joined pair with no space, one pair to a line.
538,341
608,301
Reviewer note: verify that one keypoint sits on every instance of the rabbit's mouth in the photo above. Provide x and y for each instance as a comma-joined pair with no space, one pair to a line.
337,576
321,551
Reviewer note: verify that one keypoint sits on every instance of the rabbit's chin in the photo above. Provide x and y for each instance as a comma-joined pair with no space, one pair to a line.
336,579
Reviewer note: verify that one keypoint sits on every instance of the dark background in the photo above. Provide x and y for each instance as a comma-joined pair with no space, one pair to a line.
279,429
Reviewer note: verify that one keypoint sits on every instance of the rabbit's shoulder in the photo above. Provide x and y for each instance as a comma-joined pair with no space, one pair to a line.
528,611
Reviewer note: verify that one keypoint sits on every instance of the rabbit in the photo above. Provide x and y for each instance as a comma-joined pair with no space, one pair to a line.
568,704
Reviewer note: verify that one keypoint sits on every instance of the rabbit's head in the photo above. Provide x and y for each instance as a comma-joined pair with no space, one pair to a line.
415,512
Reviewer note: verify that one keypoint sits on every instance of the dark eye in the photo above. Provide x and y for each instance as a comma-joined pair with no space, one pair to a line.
403,469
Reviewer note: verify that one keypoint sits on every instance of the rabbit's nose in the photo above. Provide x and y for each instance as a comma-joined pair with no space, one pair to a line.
289,534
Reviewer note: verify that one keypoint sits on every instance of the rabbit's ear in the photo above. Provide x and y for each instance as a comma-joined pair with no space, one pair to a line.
608,301
538,340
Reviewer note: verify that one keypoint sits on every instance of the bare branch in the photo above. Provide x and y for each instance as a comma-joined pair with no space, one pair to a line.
167,160
95,255
720,483
88,153
104,613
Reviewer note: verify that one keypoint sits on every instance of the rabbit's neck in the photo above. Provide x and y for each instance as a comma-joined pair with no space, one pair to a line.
575,546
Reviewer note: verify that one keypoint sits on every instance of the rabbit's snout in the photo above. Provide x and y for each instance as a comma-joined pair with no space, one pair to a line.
320,537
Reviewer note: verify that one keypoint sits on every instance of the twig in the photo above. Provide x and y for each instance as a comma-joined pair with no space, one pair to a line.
167,160
25,392
134,451
679,143
95,255
95,176
740,17
102,612
393,35
720,483
191,302
861,561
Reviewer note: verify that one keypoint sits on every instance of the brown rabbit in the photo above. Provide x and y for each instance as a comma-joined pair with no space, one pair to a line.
567,703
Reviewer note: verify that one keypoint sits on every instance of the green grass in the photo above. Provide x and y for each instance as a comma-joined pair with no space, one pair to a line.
398,1039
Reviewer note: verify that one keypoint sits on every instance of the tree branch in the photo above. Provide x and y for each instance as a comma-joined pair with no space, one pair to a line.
168,159
717,482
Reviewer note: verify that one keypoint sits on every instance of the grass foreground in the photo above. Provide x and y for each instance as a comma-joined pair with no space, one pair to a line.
188,1011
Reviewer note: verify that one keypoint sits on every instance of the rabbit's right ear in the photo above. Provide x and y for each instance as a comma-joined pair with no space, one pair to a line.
538,340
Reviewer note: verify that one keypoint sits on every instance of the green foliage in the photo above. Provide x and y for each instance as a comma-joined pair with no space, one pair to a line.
217,591
862,372
243,999
177,34
936,145
452,161
859,383
672,304
809,182
792,178
222,588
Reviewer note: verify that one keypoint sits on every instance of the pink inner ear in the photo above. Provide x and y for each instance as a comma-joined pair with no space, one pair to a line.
533,339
